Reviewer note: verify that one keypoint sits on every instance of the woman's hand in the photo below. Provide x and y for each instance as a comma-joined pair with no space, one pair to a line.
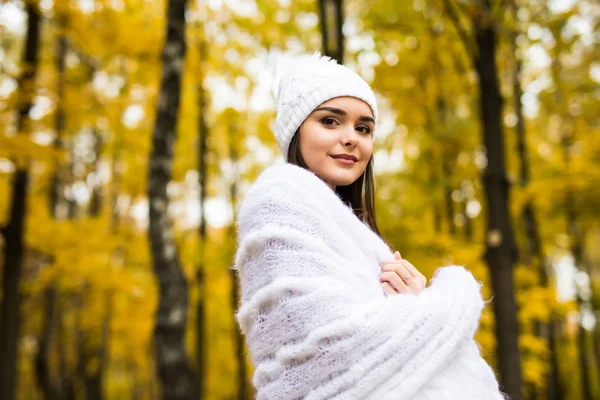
400,276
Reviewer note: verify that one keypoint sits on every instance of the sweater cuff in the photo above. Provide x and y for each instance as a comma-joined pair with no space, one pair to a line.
455,275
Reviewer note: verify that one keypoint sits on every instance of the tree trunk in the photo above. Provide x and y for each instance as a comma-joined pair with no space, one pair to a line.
441,111
203,133
42,368
533,250
501,251
136,390
243,392
116,172
93,381
59,170
584,364
468,230
586,358
66,378
72,206
14,231
432,167
96,200
577,251
437,213
332,19
553,343
595,333
447,171
175,374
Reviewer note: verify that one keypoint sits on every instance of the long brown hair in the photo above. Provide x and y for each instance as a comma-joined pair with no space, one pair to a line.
362,203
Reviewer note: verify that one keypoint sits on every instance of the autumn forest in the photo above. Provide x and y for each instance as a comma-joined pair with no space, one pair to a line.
130,131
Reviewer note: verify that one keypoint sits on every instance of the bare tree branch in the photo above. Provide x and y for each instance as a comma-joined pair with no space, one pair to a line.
460,30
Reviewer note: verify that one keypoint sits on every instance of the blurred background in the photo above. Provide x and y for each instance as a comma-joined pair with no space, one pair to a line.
131,129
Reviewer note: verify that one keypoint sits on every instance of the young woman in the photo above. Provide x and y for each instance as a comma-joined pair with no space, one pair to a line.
328,312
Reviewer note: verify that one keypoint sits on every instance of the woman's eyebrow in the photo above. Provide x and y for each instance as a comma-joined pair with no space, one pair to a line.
367,119
333,110
343,113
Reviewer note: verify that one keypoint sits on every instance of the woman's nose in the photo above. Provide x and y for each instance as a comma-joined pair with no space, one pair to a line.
349,136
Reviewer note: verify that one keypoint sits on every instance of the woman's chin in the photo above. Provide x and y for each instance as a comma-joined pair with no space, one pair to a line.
344,178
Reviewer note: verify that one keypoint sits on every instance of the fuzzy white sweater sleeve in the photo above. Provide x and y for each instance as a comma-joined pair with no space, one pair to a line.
316,320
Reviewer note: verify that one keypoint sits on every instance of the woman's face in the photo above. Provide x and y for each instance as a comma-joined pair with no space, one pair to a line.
340,126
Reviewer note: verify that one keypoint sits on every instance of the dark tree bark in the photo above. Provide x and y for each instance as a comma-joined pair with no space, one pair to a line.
66,376
203,133
93,380
96,200
58,178
14,231
331,14
501,251
468,230
243,392
447,171
72,206
586,358
175,374
49,389
115,184
441,122
136,390
42,367
432,167
437,213
577,250
533,250
447,157
445,161
553,335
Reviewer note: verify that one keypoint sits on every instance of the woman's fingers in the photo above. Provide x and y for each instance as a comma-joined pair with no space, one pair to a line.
412,279
393,279
410,268
412,282
419,277
387,288
399,268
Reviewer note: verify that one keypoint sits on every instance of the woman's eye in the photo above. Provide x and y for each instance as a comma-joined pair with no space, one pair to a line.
364,129
328,121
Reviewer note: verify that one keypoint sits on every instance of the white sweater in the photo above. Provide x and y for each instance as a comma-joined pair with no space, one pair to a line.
316,320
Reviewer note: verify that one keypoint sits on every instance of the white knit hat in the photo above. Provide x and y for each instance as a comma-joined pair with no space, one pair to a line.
309,81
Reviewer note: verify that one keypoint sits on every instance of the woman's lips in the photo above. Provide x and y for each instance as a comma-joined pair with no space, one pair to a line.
344,161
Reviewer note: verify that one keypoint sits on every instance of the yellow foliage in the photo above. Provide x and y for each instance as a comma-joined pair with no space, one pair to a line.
21,148
432,208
